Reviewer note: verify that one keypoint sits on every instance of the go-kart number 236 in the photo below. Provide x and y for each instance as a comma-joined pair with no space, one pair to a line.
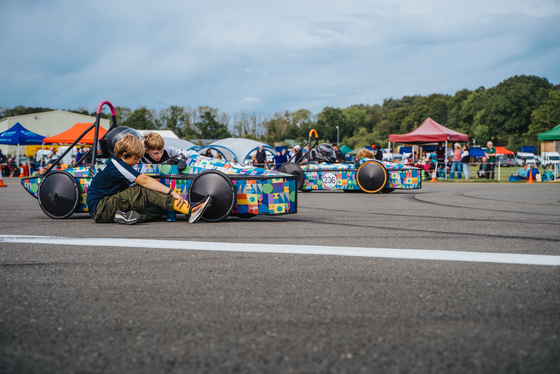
329,180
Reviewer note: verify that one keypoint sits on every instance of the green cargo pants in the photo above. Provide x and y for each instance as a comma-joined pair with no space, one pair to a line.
151,205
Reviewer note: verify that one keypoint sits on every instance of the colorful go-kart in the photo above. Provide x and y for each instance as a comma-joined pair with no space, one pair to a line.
237,190
318,171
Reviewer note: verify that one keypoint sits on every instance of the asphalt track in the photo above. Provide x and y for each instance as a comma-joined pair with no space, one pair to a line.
135,306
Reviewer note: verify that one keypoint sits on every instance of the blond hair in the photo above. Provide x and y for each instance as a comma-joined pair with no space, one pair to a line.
364,153
153,141
129,145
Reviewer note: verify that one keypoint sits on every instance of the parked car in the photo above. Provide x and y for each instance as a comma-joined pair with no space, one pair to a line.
503,160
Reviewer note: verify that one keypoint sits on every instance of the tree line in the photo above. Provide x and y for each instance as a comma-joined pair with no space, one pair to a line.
510,114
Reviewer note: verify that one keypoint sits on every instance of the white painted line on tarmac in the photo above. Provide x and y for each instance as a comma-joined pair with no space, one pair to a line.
413,254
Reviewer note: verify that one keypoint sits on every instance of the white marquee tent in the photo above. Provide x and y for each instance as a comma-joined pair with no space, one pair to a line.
237,149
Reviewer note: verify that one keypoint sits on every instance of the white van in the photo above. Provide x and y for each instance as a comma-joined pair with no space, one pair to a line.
525,158
548,158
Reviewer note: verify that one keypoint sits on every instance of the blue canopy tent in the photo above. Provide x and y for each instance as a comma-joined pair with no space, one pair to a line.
19,135
476,152
236,149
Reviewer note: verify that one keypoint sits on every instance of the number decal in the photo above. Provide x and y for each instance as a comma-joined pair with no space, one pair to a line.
329,180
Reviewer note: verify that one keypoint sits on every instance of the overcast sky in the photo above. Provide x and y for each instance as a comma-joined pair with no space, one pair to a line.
267,56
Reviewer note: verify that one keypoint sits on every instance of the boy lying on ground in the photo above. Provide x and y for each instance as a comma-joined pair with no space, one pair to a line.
118,193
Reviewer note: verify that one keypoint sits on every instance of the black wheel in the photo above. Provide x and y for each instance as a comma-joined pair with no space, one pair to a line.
293,169
58,194
220,187
371,177
244,215
387,190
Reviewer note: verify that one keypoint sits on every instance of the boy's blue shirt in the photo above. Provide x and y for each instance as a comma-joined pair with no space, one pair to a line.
113,177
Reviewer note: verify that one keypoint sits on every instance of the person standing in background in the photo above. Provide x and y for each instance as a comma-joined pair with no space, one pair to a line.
278,160
491,156
379,155
284,157
440,154
79,155
465,157
261,157
338,153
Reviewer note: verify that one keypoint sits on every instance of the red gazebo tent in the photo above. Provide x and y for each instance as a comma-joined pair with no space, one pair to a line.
429,132
503,151
69,136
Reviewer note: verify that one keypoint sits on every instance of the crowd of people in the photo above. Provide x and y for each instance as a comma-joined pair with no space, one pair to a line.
296,155
454,166
10,168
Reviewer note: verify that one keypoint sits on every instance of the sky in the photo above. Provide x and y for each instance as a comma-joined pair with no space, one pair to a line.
267,56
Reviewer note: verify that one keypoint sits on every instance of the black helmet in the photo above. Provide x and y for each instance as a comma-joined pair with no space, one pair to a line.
117,133
325,152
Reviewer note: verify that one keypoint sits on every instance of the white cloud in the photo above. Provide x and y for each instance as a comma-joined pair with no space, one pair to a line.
289,54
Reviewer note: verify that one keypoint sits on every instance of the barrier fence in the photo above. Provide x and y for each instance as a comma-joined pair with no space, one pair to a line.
475,168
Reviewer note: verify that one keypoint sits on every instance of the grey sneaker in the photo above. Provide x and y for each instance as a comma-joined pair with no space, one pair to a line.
198,210
128,218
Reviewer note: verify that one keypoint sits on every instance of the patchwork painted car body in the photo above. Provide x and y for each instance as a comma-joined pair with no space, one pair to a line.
325,176
258,191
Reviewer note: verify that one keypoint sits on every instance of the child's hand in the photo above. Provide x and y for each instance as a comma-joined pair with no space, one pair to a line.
179,198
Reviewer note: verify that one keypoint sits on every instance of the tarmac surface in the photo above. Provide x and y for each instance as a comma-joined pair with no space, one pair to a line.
109,309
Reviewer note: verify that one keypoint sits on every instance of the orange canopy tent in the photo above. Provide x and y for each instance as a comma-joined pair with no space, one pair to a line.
69,136
503,151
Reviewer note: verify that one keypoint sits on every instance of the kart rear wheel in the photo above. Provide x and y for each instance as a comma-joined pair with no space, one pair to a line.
58,194
244,215
293,169
371,177
220,187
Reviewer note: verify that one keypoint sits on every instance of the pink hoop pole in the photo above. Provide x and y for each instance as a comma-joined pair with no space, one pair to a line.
110,106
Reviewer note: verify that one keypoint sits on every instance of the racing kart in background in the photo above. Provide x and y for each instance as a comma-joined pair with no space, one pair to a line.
237,190
320,172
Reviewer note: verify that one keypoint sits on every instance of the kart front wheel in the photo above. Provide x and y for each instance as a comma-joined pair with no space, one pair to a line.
371,177
220,187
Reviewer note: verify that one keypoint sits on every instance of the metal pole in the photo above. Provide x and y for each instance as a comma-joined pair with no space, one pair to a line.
445,161
499,163
337,142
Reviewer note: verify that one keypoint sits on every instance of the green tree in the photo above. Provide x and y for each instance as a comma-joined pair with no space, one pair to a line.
21,110
546,116
209,128
122,114
355,119
510,104
178,120
142,119
328,120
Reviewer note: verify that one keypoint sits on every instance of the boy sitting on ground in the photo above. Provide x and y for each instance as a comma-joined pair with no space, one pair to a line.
156,152
112,197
